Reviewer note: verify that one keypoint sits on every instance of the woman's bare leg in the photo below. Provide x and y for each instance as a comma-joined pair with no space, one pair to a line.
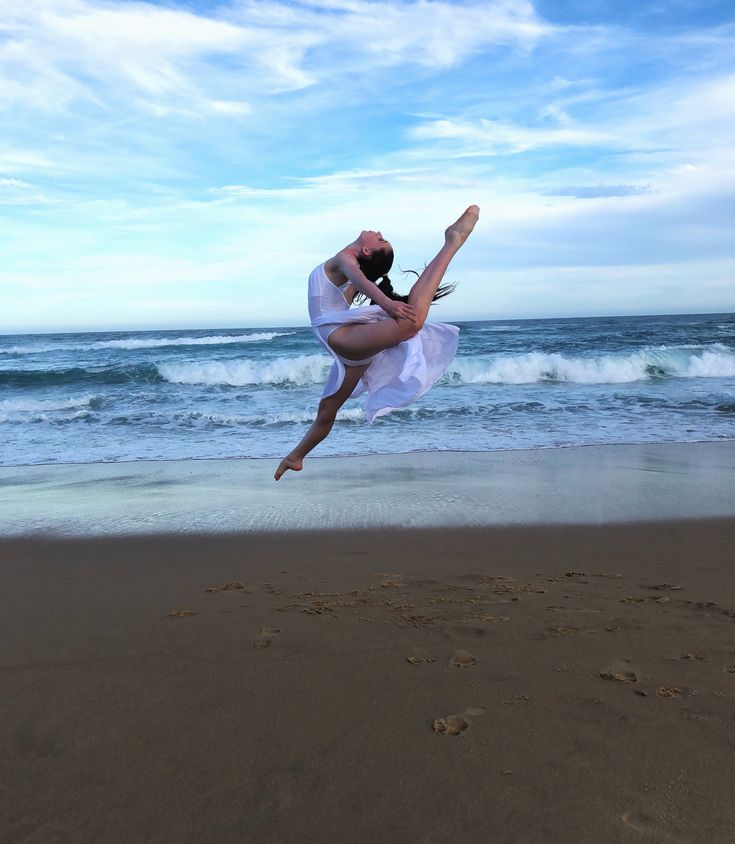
357,342
322,425
421,294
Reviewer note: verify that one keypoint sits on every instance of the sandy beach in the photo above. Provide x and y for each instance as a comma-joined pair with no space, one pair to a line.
572,681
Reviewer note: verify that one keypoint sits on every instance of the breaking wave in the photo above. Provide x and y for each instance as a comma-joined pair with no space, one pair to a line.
299,371
38,410
715,361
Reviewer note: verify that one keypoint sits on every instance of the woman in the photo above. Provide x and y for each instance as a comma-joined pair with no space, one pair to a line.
384,348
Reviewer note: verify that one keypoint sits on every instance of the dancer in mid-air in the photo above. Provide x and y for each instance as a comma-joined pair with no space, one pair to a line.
384,349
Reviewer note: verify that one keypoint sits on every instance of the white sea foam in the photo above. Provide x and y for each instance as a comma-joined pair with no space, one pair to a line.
712,364
352,414
45,405
148,343
37,410
302,370
716,361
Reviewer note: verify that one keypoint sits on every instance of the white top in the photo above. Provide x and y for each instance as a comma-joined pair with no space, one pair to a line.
325,297
395,377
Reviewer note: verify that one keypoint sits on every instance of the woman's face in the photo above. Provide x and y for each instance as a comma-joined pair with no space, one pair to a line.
372,240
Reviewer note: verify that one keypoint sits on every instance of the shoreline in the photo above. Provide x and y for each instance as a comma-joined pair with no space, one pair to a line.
366,455
576,485
305,326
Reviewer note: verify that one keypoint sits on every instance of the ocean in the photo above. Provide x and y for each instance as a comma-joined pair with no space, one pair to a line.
239,392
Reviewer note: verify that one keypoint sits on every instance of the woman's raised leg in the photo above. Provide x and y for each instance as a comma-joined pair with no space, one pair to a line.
422,293
322,425
357,342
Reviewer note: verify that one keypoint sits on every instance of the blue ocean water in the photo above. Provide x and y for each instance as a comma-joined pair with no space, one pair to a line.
253,392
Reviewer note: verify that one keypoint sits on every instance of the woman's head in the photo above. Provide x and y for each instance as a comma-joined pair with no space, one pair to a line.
375,257
376,264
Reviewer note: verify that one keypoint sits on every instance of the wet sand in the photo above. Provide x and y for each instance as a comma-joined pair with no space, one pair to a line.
559,683
584,485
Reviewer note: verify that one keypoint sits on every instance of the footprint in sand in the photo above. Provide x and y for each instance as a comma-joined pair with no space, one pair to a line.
266,637
668,691
462,659
620,676
663,586
693,657
621,670
649,826
229,586
561,629
453,725
639,821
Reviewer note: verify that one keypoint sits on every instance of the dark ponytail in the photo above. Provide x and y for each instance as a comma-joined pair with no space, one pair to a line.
386,287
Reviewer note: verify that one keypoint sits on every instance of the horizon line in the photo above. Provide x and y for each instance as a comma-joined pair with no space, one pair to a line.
306,325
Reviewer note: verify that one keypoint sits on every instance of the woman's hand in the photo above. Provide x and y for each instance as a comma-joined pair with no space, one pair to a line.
400,310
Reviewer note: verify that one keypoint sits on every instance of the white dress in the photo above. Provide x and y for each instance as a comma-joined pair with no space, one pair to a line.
397,376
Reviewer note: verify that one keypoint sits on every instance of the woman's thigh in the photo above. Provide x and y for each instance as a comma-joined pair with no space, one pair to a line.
358,341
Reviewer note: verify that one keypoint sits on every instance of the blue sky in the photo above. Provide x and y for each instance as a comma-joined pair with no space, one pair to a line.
187,164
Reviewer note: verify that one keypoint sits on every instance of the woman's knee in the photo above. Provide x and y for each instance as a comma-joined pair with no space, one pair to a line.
409,329
326,412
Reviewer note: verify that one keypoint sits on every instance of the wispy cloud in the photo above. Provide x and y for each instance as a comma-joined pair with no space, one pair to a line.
489,137
221,151
57,52
598,191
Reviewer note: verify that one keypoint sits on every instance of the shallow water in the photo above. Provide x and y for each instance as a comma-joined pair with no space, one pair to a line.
596,484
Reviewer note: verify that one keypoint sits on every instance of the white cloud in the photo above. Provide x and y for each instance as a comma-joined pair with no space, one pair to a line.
13,183
230,107
598,191
58,51
671,141
491,137
18,160
201,152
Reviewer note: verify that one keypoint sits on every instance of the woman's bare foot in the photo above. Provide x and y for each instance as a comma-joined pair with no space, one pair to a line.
458,232
288,463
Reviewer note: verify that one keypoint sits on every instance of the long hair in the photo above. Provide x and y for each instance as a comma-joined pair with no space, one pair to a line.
376,266
387,287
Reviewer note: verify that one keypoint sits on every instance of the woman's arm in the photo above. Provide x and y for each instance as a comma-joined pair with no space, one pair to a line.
348,266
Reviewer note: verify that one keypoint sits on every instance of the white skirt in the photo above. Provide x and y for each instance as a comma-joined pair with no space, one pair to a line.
397,376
